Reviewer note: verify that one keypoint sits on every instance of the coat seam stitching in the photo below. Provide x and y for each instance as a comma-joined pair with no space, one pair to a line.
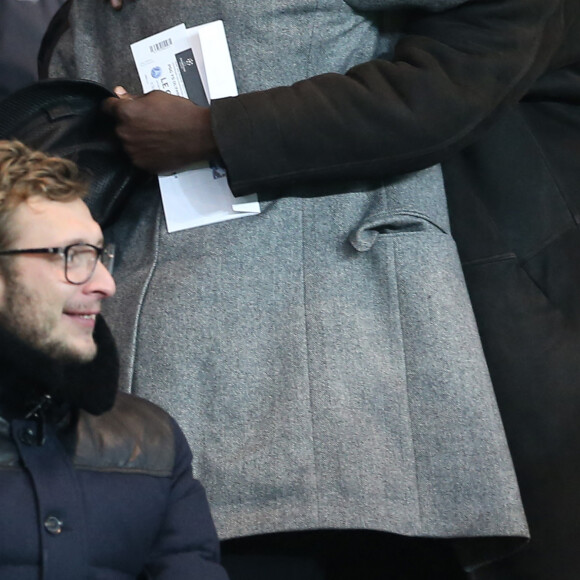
143,294
308,371
409,413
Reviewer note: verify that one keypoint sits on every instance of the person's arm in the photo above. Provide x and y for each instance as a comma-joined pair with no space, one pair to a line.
187,546
450,75
449,78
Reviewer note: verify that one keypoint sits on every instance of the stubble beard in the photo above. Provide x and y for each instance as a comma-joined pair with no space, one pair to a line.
34,326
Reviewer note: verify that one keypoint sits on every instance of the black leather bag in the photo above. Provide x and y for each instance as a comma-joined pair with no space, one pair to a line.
64,118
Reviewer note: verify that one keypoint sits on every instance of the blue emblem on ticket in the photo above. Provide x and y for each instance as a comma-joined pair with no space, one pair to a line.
156,72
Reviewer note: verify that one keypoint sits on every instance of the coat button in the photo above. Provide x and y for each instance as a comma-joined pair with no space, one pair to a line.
53,525
28,436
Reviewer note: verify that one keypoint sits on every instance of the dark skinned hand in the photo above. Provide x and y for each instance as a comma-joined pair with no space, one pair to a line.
162,132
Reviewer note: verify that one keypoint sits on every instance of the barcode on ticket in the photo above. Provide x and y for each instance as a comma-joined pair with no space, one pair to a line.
160,45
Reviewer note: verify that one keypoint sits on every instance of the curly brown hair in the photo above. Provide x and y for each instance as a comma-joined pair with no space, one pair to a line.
25,173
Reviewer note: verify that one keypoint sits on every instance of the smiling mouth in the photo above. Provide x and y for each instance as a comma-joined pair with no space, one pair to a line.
82,314
84,317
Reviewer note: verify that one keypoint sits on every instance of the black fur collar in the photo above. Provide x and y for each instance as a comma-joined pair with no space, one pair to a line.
27,375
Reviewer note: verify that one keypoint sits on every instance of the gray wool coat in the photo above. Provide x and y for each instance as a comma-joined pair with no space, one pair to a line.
321,357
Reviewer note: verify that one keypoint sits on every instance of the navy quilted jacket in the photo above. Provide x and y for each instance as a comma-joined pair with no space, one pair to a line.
100,497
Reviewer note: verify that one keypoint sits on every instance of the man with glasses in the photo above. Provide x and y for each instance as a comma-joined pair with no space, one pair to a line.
94,483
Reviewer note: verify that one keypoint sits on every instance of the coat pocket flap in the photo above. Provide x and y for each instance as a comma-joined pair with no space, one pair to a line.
366,234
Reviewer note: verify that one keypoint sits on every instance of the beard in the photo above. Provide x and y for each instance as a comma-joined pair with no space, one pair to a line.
25,314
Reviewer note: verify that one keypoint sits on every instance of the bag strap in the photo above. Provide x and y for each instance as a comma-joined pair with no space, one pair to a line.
56,28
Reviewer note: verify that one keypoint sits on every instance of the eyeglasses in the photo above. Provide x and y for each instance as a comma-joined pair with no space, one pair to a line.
80,260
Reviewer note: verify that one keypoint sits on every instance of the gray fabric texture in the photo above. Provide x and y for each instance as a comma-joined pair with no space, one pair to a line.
321,357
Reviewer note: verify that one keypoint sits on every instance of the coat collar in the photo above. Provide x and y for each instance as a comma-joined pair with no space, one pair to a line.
29,378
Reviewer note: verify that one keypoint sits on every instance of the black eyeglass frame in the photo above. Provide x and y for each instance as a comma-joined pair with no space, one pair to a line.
105,255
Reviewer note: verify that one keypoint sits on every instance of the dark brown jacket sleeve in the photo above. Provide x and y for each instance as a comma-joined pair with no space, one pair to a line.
449,77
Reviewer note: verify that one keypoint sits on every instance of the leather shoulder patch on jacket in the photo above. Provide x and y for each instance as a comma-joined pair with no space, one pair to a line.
135,435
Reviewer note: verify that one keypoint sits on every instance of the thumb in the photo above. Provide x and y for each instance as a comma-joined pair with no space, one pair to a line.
122,93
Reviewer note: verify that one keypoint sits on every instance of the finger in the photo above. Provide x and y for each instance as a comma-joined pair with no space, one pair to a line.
110,105
117,4
122,93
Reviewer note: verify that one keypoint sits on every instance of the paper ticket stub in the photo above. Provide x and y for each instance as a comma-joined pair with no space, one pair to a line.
193,63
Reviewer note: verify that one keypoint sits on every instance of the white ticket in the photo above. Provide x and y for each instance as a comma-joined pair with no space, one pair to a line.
193,63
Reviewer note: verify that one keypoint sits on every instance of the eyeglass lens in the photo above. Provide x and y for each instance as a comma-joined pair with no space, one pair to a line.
81,261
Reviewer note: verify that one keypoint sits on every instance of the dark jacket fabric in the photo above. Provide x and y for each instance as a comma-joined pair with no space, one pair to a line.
63,117
441,86
18,59
100,497
514,201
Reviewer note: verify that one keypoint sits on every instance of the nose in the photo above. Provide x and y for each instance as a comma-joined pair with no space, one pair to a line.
101,282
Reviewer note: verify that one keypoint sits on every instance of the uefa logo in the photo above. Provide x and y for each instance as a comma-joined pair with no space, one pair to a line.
156,72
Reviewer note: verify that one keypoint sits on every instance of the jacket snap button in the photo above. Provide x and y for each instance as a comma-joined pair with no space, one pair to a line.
27,436
53,525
